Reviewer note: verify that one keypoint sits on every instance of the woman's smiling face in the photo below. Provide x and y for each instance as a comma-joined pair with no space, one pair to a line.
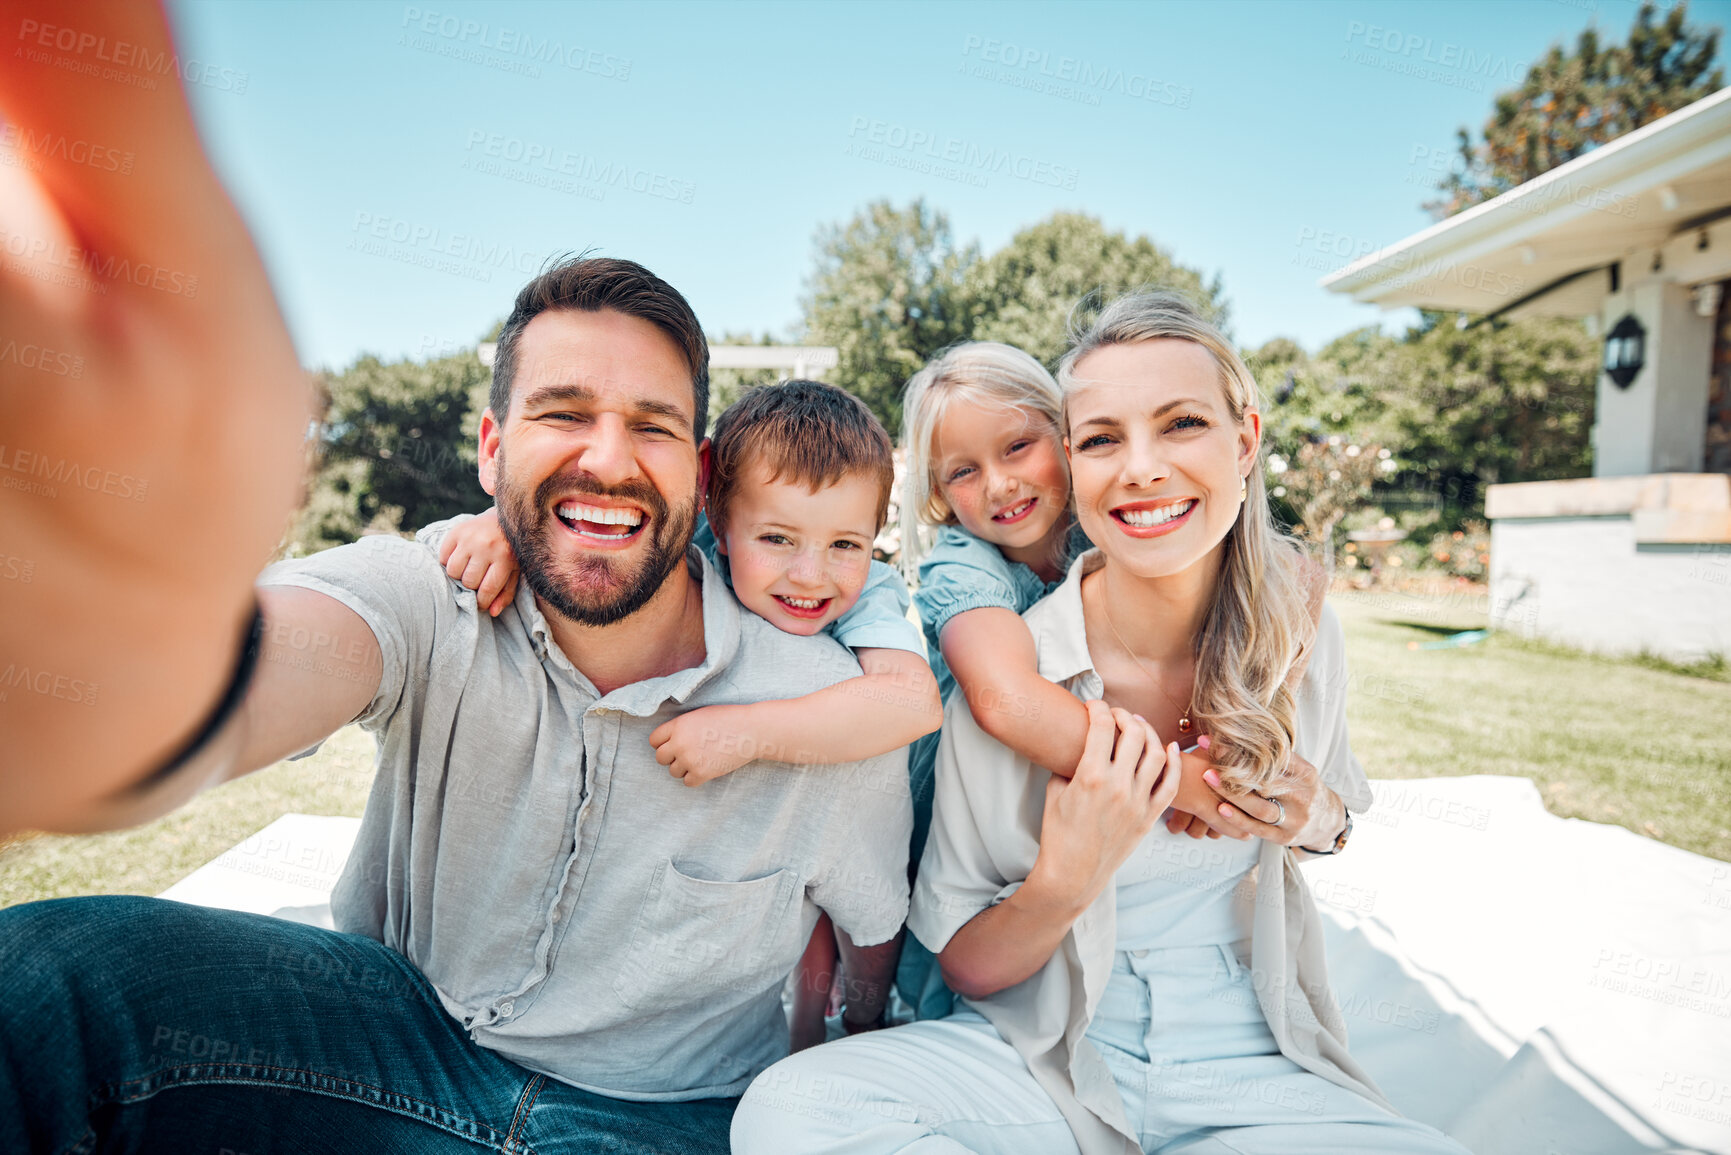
1156,459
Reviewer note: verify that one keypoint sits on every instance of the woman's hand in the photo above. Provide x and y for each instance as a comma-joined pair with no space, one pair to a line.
1092,823
1313,814
1094,820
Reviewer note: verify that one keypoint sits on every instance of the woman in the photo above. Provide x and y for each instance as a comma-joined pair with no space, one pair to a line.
1130,989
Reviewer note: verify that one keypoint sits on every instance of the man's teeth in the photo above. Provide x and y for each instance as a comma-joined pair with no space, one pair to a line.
576,511
1143,518
1016,512
803,603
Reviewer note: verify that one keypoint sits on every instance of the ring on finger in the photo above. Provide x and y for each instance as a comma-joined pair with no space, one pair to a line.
1279,817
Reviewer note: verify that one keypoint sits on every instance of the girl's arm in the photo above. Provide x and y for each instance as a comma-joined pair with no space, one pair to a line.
991,653
892,703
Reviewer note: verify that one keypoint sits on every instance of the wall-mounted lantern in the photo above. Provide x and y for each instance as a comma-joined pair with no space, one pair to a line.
1625,351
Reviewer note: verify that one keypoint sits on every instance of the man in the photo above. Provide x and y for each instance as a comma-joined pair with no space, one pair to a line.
554,945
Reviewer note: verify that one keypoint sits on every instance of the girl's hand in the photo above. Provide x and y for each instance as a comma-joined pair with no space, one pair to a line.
476,553
1313,814
1194,809
1094,820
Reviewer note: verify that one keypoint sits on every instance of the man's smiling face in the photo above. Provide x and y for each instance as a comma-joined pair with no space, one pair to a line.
596,472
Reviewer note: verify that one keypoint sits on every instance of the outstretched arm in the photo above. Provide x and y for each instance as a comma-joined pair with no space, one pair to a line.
152,416
892,703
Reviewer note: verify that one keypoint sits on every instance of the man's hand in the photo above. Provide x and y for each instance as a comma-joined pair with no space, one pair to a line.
163,395
701,745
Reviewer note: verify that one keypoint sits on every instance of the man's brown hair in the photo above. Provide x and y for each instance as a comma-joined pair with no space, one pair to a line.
802,431
590,284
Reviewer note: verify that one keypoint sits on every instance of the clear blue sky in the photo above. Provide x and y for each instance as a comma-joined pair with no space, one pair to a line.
405,166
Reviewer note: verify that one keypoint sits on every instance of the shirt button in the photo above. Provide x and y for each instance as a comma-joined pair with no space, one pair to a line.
506,1008
555,916
1140,953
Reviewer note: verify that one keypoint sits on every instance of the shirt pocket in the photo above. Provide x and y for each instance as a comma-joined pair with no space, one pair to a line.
697,939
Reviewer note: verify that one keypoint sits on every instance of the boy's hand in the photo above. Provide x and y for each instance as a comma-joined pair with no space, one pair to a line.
701,745
476,553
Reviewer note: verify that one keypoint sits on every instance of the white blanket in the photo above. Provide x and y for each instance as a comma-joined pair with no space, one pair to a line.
1532,985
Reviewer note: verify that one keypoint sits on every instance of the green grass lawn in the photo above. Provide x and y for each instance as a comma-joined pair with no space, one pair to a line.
1623,741
151,858
1607,740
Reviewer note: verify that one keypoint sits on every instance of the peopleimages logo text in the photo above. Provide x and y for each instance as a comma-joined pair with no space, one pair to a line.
123,54
514,42
968,155
1427,50
1084,74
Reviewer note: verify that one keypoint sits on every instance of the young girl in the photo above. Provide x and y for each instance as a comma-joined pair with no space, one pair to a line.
985,465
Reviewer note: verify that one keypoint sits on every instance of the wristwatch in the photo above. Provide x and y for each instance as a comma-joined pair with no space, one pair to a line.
1339,839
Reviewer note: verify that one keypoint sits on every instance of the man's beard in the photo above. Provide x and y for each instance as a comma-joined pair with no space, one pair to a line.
595,592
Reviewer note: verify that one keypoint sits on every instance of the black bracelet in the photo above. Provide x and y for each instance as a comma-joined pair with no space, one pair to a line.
225,709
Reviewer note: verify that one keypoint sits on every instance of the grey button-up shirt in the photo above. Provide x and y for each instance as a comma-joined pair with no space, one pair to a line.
578,909
986,819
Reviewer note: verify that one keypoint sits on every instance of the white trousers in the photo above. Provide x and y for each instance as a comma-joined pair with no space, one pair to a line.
1206,1079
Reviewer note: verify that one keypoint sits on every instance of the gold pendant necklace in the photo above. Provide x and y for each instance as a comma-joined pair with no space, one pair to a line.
1185,725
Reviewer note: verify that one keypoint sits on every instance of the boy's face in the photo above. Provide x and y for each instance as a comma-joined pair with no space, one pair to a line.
799,559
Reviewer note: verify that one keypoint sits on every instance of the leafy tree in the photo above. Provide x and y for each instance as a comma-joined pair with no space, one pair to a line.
884,293
1570,103
395,449
1024,293
1494,403
1459,409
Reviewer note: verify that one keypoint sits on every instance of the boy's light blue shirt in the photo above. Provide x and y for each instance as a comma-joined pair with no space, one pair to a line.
879,620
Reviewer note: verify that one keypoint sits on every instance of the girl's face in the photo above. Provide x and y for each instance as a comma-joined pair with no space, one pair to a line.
1156,460
1001,470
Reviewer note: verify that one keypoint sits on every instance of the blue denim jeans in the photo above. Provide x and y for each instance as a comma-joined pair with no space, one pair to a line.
139,1025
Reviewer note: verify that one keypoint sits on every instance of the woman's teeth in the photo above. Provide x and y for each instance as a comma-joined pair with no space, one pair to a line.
1144,518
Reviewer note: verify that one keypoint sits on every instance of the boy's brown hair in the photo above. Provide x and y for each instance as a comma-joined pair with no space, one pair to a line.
803,431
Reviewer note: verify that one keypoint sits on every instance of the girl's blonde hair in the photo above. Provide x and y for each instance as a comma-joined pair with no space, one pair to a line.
1258,630
980,372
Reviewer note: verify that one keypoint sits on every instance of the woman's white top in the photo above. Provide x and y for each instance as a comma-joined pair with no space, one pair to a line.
1175,890
985,837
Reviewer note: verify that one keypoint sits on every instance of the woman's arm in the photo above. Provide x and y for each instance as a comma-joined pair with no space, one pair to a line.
1092,822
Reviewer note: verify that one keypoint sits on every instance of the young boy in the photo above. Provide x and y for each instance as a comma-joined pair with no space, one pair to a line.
799,486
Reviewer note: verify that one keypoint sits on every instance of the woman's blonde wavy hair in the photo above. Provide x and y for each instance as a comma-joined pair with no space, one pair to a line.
976,372
1258,630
